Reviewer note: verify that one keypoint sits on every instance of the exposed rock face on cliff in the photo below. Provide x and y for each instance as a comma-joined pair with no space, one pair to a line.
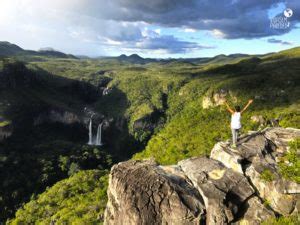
226,188
55,115
146,193
217,98
5,132
258,153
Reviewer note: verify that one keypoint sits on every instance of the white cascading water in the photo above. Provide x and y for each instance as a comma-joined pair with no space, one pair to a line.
99,135
90,132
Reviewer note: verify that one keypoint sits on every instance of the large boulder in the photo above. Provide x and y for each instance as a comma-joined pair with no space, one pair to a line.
258,153
230,159
281,137
282,195
228,188
255,212
224,191
141,192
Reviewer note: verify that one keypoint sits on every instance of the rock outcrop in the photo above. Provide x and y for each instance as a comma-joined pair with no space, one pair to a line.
217,98
226,188
55,115
5,131
142,192
260,152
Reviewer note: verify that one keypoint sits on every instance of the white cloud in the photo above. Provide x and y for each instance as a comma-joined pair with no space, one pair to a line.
190,30
112,42
218,33
158,31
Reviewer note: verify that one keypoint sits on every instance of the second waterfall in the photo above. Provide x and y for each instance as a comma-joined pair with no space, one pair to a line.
97,140
99,135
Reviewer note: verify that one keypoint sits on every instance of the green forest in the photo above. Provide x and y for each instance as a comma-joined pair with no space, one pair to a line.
167,110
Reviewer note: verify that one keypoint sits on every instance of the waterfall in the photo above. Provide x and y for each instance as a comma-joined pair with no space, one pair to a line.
99,135
90,132
98,139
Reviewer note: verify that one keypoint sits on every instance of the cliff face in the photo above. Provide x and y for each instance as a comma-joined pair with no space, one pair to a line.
227,188
5,132
55,115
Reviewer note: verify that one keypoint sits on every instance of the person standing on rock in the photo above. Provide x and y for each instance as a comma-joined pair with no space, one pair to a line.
236,120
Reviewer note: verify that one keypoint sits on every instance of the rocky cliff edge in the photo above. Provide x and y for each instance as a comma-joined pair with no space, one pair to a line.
227,188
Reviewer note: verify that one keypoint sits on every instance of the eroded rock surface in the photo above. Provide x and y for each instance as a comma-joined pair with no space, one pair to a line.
260,152
227,188
142,192
222,189
216,98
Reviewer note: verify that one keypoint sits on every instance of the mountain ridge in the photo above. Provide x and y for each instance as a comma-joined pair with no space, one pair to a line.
8,49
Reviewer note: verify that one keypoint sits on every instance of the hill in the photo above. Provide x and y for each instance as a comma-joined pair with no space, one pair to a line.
241,186
42,132
168,110
8,50
174,99
131,59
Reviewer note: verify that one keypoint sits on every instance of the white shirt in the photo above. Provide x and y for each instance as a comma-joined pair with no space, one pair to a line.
236,120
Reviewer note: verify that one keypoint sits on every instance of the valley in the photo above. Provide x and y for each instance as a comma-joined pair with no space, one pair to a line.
65,121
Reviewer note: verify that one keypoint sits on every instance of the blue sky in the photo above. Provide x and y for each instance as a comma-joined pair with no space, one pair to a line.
156,28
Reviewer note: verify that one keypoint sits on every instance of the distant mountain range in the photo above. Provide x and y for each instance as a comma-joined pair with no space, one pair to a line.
9,49
134,58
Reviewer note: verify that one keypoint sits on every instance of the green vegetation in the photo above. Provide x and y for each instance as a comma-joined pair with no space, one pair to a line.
155,109
290,163
192,130
169,97
290,220
80,199
187,135
267,175
38,155
28,170
4,123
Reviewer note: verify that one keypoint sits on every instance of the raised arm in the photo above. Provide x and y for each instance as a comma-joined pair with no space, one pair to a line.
228,108
246,106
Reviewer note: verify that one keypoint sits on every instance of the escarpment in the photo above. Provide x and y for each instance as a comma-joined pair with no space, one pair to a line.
229,187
